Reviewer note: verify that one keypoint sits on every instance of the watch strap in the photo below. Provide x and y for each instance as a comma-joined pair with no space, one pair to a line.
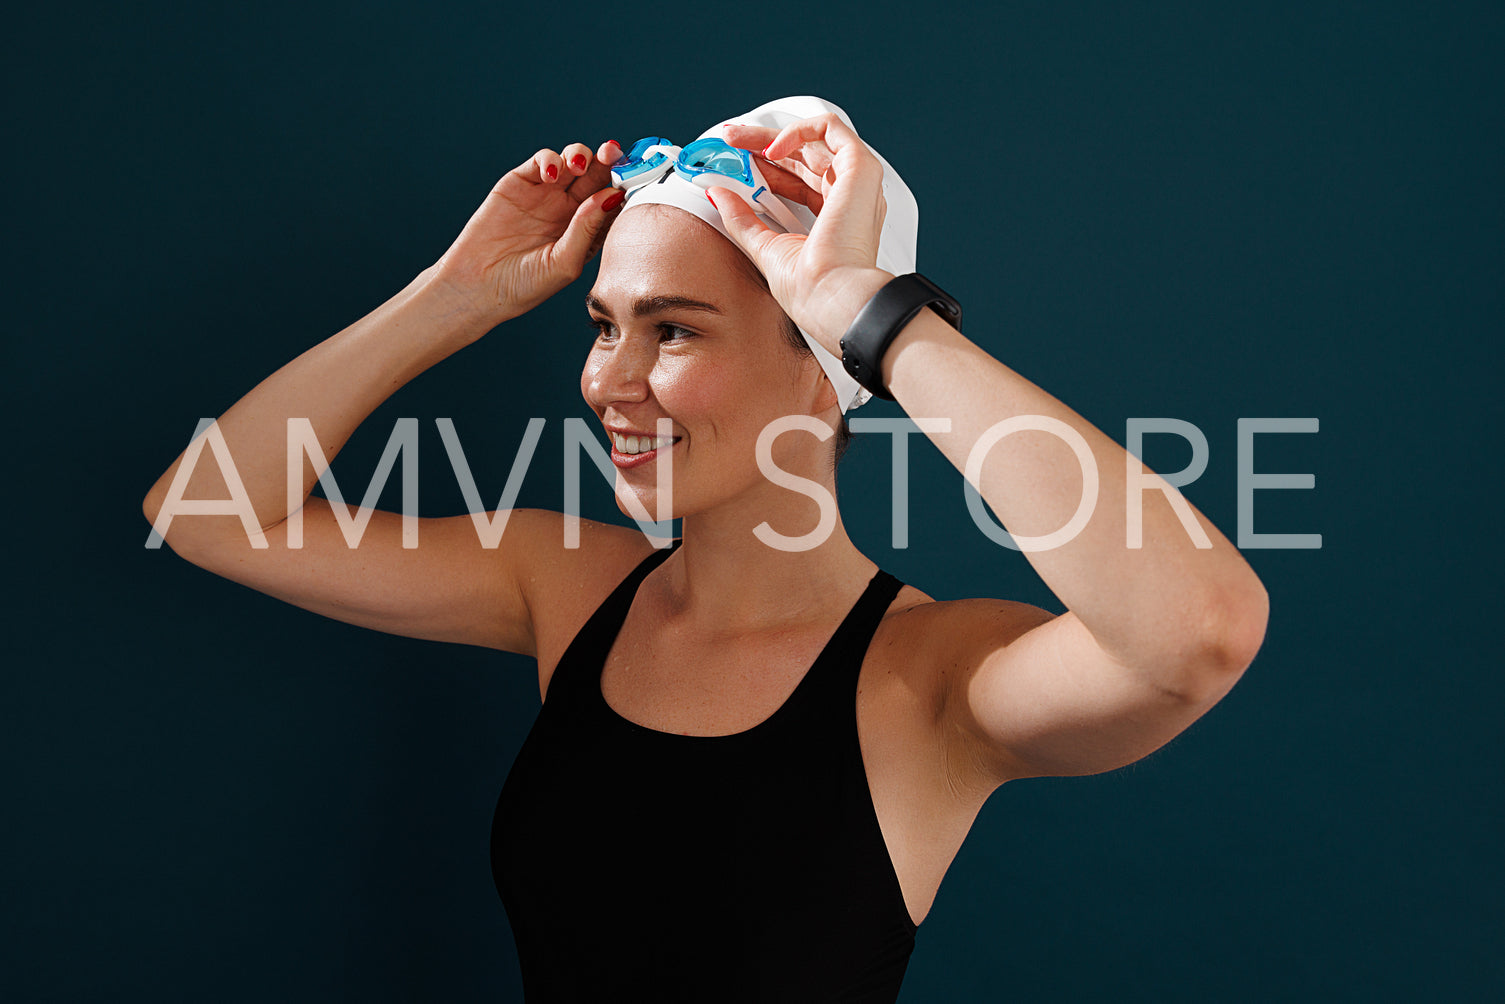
881,319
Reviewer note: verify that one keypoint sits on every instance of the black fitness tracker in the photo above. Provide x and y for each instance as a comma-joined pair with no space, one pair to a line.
879,322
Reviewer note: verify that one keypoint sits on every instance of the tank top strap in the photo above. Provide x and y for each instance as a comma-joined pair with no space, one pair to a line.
833,676
580,665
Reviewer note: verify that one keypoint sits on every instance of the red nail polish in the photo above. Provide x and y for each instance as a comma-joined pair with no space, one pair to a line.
613,202
766,149
578,161
551,172
614,143
712,201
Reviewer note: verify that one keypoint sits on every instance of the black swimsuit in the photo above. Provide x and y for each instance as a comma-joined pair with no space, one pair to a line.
638,865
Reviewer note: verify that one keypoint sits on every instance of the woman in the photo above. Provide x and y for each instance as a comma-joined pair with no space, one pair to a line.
757,753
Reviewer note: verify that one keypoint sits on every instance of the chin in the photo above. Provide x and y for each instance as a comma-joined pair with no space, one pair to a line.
648,502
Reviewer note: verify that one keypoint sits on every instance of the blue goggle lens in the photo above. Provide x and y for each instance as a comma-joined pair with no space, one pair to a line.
714,156
631,163
635,155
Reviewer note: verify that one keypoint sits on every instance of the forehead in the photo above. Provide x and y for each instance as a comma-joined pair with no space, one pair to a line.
652,247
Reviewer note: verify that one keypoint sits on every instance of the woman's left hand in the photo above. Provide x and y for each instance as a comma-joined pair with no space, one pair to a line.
822,280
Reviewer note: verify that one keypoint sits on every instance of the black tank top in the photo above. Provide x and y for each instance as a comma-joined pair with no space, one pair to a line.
639,865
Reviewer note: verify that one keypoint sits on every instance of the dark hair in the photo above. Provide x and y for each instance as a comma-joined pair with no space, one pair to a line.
796,341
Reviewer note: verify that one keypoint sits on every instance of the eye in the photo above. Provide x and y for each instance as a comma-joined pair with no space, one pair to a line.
674,333
602,329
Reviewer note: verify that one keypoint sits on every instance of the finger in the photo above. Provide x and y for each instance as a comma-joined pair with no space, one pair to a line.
811,162
748,137
851,176
530,170
798,170
816,158
855,177
794,187
597,173
744,227
759,139
587,229
814,154
576,157
545,167
828,130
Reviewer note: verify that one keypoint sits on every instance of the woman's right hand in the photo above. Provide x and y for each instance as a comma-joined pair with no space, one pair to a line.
536,230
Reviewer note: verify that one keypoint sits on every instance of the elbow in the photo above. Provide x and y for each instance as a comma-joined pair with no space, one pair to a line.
175,537
1247,620
1230,632
156,495
151,506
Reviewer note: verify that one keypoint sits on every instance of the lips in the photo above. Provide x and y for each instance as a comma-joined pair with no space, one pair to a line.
633,450
632,445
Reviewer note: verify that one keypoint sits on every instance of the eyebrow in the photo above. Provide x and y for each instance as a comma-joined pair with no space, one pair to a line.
647,305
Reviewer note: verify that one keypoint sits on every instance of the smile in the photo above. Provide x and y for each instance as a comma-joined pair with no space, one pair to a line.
632,445
634,451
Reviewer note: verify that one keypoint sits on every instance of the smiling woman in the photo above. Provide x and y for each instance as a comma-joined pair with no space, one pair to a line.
753,764
684,335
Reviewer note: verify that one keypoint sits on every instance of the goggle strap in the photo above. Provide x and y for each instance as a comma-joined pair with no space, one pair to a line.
780,212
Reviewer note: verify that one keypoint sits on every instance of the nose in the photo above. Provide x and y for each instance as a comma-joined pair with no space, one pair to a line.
619,374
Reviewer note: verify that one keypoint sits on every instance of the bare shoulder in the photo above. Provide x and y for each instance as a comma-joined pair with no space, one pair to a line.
923,656
928,635
563,586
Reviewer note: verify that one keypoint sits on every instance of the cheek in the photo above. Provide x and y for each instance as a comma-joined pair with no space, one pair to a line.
705,397
692,390
749,404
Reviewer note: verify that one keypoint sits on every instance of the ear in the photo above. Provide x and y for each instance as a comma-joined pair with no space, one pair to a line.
825,394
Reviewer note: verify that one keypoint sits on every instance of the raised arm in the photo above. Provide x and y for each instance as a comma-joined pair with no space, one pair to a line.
531,236
1153,635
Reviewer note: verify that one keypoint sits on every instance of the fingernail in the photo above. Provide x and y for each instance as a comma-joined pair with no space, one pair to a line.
713,201
551,172
613,202
766,149
578,162
614,143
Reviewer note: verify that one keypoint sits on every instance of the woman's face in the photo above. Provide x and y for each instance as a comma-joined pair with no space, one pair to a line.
686,334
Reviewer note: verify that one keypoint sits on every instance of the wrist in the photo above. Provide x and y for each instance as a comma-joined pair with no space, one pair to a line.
460,308
841,298
881,323
929,325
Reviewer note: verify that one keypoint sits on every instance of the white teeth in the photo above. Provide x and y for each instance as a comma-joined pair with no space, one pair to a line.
632,445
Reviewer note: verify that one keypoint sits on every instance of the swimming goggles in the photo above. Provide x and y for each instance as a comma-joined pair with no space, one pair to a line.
705,162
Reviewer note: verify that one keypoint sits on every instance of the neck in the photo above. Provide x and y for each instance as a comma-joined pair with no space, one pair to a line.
724,578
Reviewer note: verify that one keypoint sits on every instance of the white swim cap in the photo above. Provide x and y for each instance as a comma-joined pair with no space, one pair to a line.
896,243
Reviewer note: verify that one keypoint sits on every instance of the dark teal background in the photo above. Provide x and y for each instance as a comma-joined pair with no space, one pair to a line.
1159,209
